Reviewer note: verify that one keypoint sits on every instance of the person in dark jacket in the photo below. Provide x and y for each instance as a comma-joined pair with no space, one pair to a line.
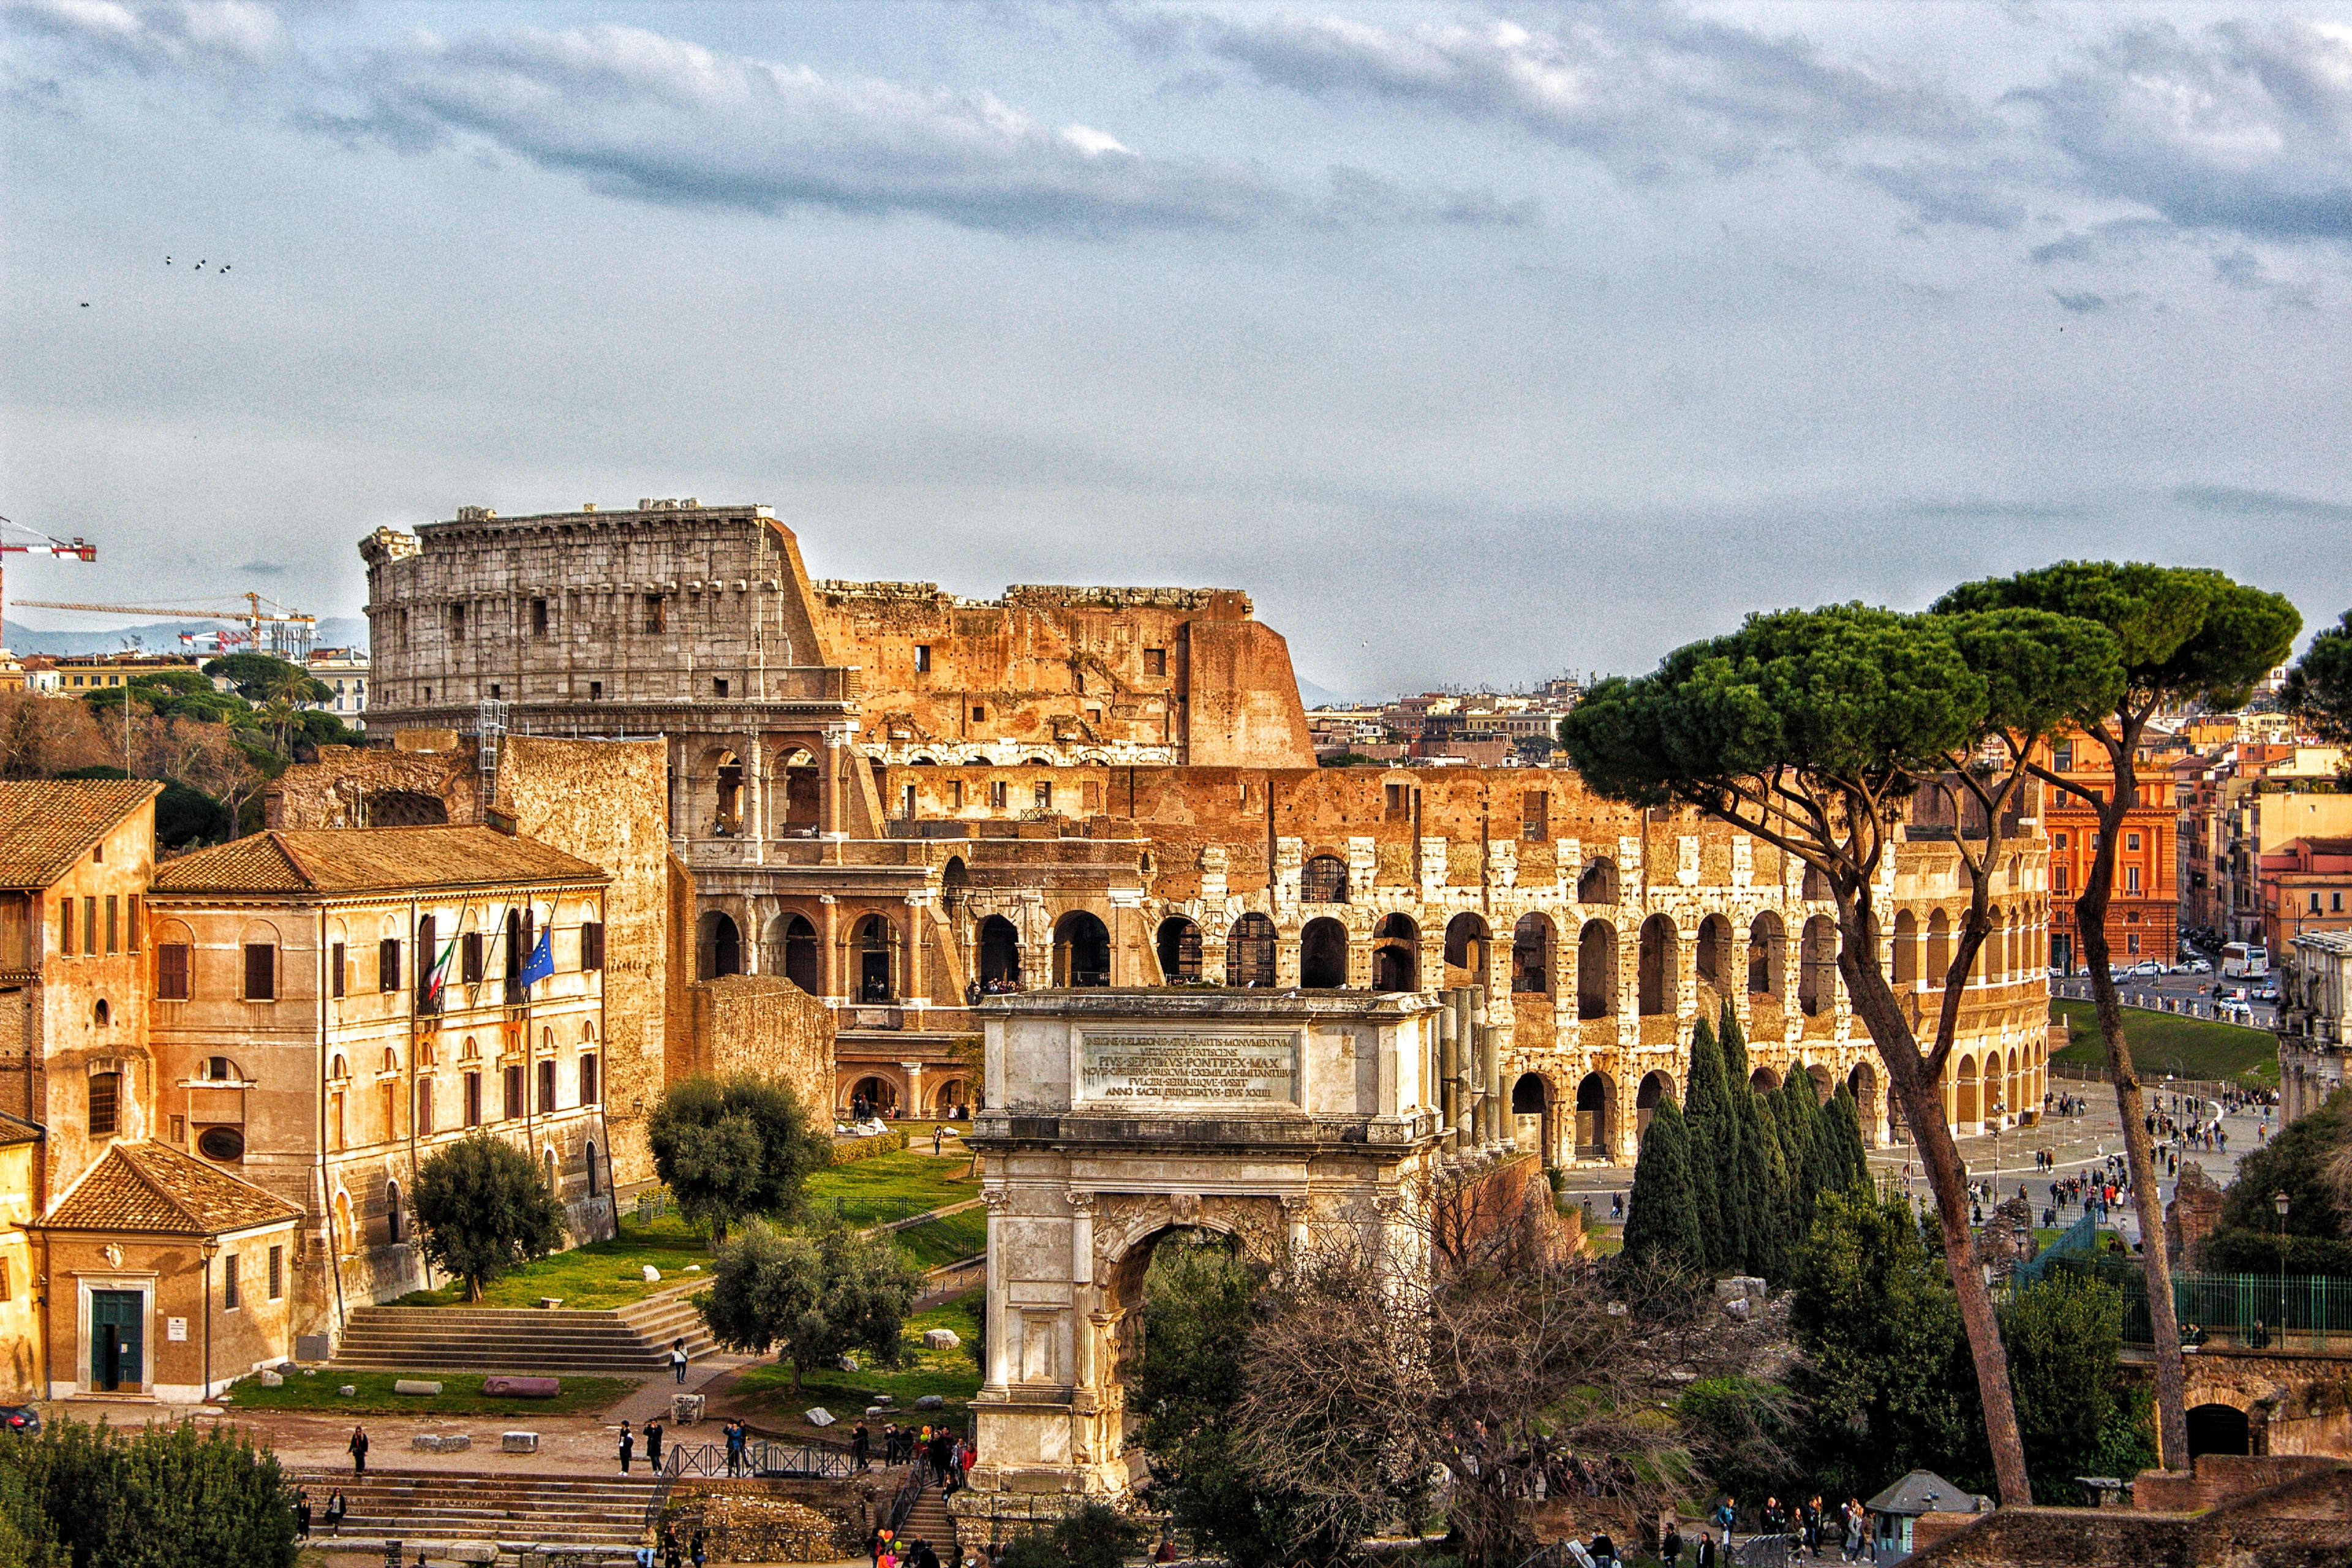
357,1447
628,1447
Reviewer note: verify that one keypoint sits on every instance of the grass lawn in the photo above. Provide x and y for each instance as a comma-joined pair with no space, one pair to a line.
892,1186
949,1239
2166,1043
459,1395
600,1275
765,1391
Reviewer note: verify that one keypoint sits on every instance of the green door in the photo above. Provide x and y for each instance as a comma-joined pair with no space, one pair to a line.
115,1338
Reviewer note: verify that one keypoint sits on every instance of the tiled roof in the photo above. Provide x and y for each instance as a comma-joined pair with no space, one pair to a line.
46,825
16,1130
154,1188
334,860
1922,1491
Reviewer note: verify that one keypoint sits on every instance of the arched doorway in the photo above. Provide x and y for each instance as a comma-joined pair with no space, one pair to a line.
1081,950
1654,1086
2218,1429
718,946
1596,1099
1466,943
1714,955
793,953
874,947
1249,951
1396,955
1531,1113
1596,970
1764,1080
1817,981
999,954
873,1096
1765,941
1531,946
1323,880
1323,954
1178,946
1659,960
1863,1084
802,793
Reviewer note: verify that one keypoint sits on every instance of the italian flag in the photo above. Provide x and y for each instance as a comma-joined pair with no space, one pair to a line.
437,976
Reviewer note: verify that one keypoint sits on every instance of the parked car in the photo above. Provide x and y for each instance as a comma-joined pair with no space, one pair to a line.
20,1418
2146,969
2197,966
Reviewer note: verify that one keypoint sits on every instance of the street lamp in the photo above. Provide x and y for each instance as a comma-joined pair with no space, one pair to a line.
211,1249
2279,1202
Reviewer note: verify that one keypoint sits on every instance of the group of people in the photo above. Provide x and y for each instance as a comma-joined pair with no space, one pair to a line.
336,1509
653,1431
1811,1530
943,1455
887,1551
671,1554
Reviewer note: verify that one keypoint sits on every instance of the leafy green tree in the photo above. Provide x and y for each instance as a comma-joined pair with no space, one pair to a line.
1845,1160
260,677
731,1148
2303,1161
1739,1430
156,1496
2065,1342
1714,1128
1885,1361
2320,687
1661,1224
2182,635
483,1208
1094,1536
816,1296
1811,730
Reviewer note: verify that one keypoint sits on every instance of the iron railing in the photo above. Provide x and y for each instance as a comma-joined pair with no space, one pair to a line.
910,1491
2251,1312
2081,1240
760,1457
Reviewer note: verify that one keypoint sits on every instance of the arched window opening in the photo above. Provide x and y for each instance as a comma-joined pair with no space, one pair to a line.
1598,884
1968,1110
1323,954
955,883
1532,944
872,1097
1654,1086
727,821
1178,946
392,1214
592,1168
1825,1086
1595,1097
1817,982
802,793
873,946
1396,955
802,961
1764,955
1714,954
1000,955
2218,1429
1939,948
1323,880
1658,962
1906,948
1530,1095
1466,945
1249,951
1764,1080
1596,971
1081,950
718,946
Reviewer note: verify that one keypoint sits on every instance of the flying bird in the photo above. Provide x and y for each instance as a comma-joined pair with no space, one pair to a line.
224,266
84,304
167,261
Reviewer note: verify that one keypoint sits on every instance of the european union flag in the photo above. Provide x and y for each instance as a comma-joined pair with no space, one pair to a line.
540,964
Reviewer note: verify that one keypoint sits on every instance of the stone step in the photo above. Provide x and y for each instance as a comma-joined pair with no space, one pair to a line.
476,1505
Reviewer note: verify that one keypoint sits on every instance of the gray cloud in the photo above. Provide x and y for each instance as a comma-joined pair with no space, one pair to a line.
2082,305
213,36
2260,503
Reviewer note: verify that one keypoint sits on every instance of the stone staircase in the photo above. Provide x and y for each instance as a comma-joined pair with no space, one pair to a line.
550,1511
634,1341
929,1520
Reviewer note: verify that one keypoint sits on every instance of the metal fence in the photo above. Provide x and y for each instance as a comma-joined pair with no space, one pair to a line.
2253,1311
760,1457
2081,1240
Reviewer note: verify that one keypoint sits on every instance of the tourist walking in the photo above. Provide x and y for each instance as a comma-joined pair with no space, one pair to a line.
336,1509
734,1433
653,1444
302,1514
1726,1515
677,1359
628,1447
1670,1549
358,1448
861,1444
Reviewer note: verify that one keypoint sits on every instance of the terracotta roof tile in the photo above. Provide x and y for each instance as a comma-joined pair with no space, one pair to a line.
154,1188
46,825
331,861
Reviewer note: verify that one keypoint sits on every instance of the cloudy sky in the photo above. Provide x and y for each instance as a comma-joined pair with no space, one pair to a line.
1477,343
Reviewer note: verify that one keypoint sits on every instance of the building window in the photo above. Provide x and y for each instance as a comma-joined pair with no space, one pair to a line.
392,1213
65,926
105,1103
655,620
1535,816
2059,877
473,1099
2131,941
995,803
595,691
2335,903
172,972
923,658
2315,901
539,617
391,1111
592,946
130,934
469,958
719,686
979,714
276,1273
425,1107
335,968
2131,840
89,925
2131,879
260,972
7,1286
588,1088
113,923
547,1086
335,1120
955,794
513,1086
2058,841
230,1300
1045,795
1155,661
387,964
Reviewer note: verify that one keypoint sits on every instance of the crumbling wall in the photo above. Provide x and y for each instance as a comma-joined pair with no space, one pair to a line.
760,1024
348,788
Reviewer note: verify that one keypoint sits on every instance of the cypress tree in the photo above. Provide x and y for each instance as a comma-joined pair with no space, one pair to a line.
1847,1161
1714,1133
1766,1170
1662,1225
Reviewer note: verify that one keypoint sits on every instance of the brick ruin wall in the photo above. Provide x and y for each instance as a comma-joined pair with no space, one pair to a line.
759,1024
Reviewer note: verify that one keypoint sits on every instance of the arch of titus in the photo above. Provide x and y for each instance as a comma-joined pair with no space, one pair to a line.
1118,1115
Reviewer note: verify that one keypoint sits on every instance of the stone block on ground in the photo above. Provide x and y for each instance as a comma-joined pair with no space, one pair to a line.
931,1402
272,1379
440,1442
847,1363
424,1385
1747,1287
818,1415
349,1390
686,1409
523,1387
518,1442
550,1302
941,1338
653,1274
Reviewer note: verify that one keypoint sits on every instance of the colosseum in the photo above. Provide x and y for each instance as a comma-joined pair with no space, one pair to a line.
901,800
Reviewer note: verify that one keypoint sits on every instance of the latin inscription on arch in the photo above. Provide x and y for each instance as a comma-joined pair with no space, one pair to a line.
1224,1068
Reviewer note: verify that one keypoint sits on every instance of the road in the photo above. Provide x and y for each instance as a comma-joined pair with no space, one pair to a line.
2181,988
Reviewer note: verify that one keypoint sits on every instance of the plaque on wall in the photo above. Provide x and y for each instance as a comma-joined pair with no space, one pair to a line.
1236,1070
175,1330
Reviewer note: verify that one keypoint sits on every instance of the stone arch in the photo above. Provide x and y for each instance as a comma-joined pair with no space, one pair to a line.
1824,1083
1659,956
1596,970
1655,1088
1968,1110
1906,948
880,1092
999,953
1396,955
793,953
1596,1116
946,1096
1767,953
1531,954
2219,1427
874,958
1714,954
718,945
1598,884
1323,880
1817,979
1323,954
1178,944
1081,950
955,886
1530,1094
1764,1080
1939,948
1468,946
1250,951
727,797
1864,1083
798,773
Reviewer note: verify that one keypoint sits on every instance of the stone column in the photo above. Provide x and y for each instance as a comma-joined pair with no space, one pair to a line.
999,1370
914,1071
916,987
828,938
829,786
755,796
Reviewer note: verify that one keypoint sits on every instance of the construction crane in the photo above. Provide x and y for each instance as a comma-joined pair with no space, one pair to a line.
288,633
47,544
